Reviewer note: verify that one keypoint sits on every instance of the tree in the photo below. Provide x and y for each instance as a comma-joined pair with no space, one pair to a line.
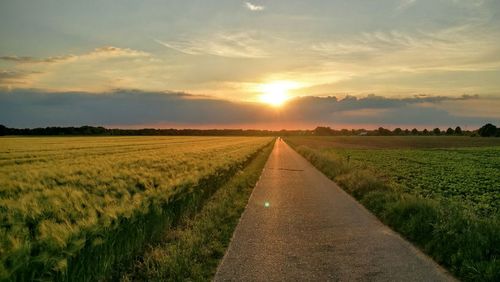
487,130
414,131
450,131
397,131
436,131
425,131
458,131
3,130
383,131
323,130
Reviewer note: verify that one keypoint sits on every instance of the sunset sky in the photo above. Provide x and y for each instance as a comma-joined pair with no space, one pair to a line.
207,63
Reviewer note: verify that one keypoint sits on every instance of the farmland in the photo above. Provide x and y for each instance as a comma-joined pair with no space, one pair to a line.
442,193
76,207
394,142
465,175
461,169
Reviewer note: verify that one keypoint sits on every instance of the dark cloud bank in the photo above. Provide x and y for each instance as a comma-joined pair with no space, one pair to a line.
125,108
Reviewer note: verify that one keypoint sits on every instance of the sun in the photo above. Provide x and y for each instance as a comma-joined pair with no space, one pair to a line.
276,93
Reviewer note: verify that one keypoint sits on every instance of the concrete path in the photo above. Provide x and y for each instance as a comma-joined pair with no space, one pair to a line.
300,226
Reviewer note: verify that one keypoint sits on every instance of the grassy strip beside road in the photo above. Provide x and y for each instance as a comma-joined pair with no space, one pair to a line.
467,244
192,251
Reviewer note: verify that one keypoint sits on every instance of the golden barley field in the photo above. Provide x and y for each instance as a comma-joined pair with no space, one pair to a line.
75,206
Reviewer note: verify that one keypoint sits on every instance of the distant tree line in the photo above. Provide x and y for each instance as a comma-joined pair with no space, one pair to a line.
101,131
387,132
488,130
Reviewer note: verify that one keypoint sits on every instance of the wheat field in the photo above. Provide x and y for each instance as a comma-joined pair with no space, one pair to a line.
76,206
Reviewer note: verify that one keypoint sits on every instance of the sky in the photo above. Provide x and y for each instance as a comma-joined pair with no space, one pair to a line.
267,64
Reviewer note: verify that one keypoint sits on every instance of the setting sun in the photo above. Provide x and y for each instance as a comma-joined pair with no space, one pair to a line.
276,93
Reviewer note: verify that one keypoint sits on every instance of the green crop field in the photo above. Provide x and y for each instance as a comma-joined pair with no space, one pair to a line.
394,142
462,169
469,176
443,193
75,207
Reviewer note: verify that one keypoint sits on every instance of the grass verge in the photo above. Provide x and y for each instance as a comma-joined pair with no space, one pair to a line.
469,246
192,250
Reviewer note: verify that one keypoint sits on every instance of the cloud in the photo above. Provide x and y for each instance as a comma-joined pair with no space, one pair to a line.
230,45
385,43
349,103
11,78
33,60
113,52
101,52
317,43
99,69
253,7
34,108
339,48
31,108
183,47
373,111
8,74
405,4
468,3
407,61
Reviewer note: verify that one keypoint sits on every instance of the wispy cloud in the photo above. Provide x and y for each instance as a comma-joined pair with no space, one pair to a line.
14,77
7,74
231,45
98,69
185,47
341,48
458,47
254,7
405,4
31,60
476,3
101,52
111,51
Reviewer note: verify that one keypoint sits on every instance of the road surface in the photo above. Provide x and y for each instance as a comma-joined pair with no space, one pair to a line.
300,226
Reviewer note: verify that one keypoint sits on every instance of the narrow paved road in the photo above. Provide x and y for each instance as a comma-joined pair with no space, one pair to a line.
311,230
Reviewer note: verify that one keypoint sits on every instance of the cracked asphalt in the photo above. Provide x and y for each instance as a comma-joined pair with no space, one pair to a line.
300,226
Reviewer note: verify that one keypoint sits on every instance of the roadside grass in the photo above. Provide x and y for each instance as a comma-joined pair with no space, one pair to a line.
192,250
465,243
